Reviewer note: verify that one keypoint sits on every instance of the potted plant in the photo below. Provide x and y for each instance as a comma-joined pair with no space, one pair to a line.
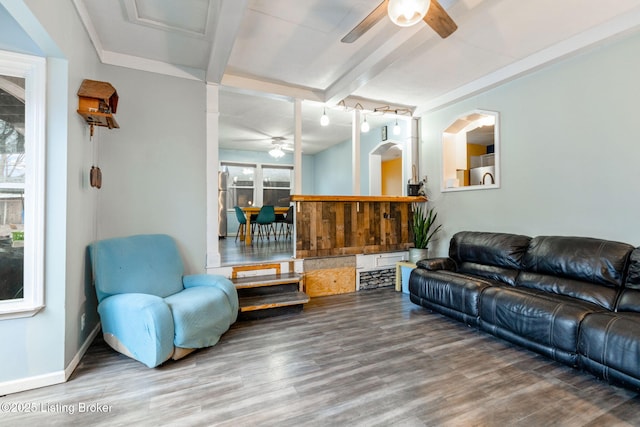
424,228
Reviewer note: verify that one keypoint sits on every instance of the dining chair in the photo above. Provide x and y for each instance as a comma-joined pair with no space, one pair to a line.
288,219
242,221
280,223
266,219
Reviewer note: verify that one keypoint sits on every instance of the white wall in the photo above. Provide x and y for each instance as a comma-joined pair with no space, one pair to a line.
570,148
153,167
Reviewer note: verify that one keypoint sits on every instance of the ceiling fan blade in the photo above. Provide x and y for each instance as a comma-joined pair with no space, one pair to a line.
365,25
438,19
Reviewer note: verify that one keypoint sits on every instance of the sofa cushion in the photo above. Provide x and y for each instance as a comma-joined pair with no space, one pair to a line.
609,345
580,258
633,272
603,296
495,256
454,294
542,322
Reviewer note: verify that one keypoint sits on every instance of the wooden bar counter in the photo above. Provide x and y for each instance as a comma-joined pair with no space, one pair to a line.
349,225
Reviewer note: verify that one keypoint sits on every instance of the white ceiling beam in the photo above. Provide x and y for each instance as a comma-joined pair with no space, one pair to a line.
226,28
89,27
277,90
399,45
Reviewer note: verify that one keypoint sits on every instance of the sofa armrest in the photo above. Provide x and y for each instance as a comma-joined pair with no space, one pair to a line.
139,326
216,281
444,263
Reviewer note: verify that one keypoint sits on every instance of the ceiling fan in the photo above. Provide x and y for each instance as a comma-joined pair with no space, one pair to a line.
406,13
280,145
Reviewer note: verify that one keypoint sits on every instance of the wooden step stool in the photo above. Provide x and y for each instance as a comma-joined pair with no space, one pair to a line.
269,294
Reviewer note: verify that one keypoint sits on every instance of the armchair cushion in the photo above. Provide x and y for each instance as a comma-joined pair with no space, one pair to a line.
198,318
147,264
139,326
219,282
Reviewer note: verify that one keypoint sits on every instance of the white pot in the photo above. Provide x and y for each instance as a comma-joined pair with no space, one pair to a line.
416,254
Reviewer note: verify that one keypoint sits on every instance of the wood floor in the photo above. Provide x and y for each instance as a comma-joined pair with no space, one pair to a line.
233,252
370,358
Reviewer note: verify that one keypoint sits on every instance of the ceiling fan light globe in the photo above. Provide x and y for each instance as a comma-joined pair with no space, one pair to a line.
276,152
406,13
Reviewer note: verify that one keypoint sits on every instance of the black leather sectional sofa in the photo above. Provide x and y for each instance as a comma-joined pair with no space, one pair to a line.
573,299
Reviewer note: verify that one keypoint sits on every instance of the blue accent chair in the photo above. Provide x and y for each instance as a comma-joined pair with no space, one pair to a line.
242,221
266,219
149,310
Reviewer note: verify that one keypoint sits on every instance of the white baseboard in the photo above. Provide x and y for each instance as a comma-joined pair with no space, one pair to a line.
37,381
30,383
83,349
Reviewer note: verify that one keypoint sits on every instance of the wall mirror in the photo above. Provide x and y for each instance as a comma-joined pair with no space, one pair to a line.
471,152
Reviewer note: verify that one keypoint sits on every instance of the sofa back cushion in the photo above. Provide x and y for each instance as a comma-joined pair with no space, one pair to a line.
581,258
589,269
496,256
146,264
633,271
630,297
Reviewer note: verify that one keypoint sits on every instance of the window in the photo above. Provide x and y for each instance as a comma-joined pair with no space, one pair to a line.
276,185
240,184
250,184
22,93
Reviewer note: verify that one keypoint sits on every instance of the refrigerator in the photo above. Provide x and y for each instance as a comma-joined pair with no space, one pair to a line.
223,178
485,175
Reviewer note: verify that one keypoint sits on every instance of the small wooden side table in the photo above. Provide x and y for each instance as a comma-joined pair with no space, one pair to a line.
400,265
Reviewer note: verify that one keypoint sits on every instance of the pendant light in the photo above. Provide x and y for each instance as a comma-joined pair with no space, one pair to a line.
324,120
364,127
396,128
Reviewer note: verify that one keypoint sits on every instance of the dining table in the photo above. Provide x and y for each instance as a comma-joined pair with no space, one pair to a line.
248,211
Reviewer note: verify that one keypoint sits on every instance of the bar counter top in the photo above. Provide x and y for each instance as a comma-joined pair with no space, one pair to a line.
384,199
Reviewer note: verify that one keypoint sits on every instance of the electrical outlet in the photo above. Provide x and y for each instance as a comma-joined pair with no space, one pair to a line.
83,319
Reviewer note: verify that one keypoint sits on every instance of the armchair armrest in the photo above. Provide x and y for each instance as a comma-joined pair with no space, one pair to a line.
444,263
217,281
139,326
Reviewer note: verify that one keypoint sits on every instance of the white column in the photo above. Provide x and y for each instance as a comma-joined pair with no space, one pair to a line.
297,145
212,117
415,146
355,152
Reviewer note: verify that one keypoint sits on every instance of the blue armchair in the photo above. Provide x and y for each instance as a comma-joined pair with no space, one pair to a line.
148,309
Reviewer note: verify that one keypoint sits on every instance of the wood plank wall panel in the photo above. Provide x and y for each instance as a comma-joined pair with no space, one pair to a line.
329,276
330,281
329,228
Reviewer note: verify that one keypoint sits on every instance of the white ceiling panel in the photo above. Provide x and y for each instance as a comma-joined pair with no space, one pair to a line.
292,48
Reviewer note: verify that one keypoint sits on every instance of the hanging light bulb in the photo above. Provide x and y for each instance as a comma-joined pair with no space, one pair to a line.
324,120
364,127
406,13
396,128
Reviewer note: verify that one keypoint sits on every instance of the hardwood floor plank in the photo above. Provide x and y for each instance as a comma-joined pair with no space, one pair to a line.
369,358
